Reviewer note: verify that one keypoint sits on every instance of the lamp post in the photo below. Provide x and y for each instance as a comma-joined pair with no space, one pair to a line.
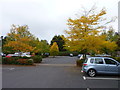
119,17
1,49
1,44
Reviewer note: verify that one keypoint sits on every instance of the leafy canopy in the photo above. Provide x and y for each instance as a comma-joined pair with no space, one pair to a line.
84,33
54,49
21,40
60,42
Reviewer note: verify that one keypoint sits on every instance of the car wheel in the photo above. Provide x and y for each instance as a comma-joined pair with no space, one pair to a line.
91,73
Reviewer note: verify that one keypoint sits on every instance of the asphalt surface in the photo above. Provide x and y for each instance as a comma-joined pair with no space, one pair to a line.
59,72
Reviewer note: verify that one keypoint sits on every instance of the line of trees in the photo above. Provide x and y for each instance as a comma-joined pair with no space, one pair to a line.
21,40
86,34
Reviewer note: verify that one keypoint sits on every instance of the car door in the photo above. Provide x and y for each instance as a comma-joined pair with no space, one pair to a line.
111,66
99,65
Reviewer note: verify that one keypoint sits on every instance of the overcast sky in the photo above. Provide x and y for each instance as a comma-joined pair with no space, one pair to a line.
47,18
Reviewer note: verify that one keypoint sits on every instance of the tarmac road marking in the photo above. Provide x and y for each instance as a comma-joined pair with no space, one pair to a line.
11,68
57,64
88,88
7,68
84,77
99,78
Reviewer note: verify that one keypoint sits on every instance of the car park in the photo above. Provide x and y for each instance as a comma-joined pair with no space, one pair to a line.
100,65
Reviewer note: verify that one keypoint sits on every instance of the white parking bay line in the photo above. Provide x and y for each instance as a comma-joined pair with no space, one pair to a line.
84,77
88,88
99,78
56,64
11,68
7,68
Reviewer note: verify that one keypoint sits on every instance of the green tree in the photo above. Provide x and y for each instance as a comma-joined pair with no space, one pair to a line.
111,34
118,43
60,42
44,46
54,50
40,46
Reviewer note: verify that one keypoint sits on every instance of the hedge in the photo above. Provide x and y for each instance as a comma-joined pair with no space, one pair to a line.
79,62
25,61
17,61
37,59
10,60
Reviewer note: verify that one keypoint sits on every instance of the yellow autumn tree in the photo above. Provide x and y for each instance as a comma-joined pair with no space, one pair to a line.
54,50
20,39
84,34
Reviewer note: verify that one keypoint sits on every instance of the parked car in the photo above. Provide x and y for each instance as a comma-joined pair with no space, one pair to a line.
25,55
88,56
10,55
2,54
80,56
100,65
46,54
71,55
103,55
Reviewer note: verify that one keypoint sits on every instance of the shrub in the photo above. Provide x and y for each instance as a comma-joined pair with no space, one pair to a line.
25,57
43,56
25,61
21,61
10,60
17,60
29,62
37,59
79,62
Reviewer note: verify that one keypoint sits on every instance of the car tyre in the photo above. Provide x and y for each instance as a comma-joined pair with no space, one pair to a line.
92,73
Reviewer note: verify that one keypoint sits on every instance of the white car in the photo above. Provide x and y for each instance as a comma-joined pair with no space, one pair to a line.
80,56
25,55
71,55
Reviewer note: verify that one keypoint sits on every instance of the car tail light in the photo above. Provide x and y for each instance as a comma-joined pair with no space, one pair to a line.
84,64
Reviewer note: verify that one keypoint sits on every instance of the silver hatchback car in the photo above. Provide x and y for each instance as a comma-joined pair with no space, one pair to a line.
100,65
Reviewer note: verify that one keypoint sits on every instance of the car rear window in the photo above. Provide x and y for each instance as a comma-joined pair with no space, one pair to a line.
92,60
